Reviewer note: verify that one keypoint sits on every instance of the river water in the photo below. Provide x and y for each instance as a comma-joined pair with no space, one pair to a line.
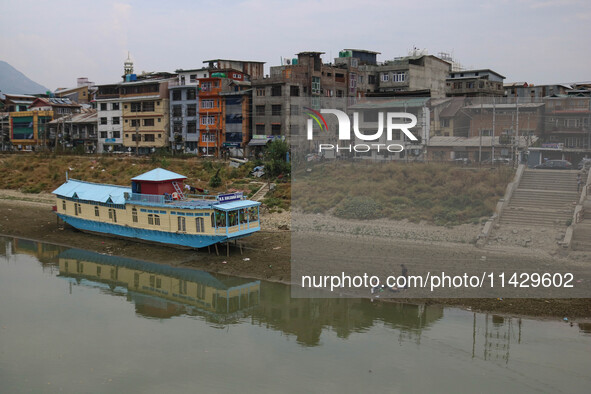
76,321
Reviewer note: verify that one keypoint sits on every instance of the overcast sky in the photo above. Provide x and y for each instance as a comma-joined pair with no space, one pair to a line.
54,42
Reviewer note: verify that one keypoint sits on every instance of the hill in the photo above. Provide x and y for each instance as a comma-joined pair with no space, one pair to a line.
14,81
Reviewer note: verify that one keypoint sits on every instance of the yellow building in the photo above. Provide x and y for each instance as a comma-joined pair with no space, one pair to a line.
145,113
29,128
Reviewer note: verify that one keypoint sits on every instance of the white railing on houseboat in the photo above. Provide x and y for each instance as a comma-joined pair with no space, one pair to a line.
149,198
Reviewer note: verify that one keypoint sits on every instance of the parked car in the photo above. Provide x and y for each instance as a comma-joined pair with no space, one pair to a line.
555,165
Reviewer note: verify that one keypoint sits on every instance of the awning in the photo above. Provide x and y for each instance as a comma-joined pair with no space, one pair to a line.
230,206
259,141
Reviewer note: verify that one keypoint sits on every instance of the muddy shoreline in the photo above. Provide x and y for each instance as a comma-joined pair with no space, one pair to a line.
265,256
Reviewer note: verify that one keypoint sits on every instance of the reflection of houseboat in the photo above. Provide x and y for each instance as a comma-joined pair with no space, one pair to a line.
160,290
155,209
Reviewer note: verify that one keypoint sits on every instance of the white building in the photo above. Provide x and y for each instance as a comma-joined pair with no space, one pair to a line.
110,120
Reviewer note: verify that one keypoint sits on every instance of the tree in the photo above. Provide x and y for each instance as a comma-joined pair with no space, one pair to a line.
275,158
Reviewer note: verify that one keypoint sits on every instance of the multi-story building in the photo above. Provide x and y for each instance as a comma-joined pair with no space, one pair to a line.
145,111
278,97
78,131
449,118
238,106
109,119
475,83
212,108
29,128
567,128
18,102
423,75
252,69
529,92
184,104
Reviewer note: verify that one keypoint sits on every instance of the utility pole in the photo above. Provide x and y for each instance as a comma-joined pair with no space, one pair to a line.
137,138
517,130
492,141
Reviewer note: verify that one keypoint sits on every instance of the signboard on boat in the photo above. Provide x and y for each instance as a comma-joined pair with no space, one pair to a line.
230,197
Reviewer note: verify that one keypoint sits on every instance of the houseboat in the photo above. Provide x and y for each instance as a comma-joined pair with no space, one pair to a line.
155,209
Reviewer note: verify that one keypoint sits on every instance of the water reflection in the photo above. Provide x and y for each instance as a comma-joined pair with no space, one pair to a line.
160,291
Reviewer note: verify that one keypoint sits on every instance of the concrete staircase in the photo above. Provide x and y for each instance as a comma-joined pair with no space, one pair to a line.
582,232
544,198
260,194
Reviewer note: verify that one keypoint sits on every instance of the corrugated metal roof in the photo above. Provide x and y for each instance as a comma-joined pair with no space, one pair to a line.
441,141
229,206
158,175
93,191
392,103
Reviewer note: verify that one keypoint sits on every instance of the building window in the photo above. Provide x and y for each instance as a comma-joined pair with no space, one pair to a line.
149,137
103,106
115,106
181,223
148,122
385,77
199,225
116,134
276,90
148,106
315,85
294,91
177,111
276,129
208,137
64,205
176,95
192,127
193,78
207,104
260,92
276,110
103,134
191,94
113,215
103,120
116,120
136,106
134,215
192,110
294,109
96,211
260,129
398,77
294,129
208,120
135,123
260,110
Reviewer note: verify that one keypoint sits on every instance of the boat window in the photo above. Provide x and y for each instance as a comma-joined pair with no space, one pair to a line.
253,213
134,215
113,215
156,220
233,218
220,219
199,224
182,224
244,215
64,205
96,210
77,209
151,219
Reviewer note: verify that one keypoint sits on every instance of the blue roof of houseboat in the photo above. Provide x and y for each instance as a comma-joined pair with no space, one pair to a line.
93,191
228,206
158,175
